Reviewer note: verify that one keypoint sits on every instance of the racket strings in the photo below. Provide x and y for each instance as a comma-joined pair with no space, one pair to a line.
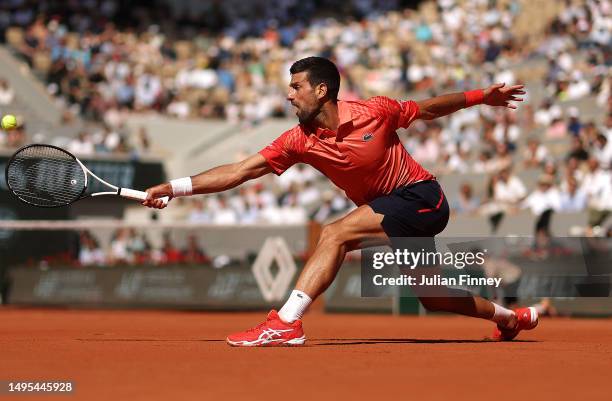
45,176
45,184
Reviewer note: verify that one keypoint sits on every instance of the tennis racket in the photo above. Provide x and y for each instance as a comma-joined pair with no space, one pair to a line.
48,176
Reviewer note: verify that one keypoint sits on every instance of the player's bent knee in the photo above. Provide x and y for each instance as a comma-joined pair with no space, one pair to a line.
332,234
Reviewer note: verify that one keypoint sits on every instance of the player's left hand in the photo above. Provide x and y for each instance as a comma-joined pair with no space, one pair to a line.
501,95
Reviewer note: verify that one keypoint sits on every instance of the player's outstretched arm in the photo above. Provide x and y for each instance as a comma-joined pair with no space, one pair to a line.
494,95
217,179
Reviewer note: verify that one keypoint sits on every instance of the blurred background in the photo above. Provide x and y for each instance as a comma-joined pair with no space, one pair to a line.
143,91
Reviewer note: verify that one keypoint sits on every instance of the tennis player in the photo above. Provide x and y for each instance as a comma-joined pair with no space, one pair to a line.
355,144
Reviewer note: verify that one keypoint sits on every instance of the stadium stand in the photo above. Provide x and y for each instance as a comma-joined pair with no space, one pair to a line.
198,96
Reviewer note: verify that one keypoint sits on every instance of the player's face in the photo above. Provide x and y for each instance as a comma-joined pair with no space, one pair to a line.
303,97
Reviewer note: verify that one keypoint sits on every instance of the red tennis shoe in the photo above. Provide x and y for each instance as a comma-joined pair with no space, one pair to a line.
526,319
273,332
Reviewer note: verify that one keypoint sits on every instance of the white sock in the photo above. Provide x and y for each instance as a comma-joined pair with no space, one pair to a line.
501,315
540,308
295,306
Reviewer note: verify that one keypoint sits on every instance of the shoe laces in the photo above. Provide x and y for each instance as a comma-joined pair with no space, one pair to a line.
258,327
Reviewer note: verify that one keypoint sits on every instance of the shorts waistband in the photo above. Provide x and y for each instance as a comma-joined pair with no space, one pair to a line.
418,183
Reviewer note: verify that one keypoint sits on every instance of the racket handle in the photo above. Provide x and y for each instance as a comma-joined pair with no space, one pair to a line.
138,195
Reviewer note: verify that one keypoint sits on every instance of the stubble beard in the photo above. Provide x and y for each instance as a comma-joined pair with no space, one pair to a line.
307,118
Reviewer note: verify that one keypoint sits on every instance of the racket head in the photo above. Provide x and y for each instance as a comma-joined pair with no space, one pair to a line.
45,176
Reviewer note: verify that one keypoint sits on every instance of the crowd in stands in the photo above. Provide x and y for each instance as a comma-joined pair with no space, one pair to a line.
104,61
575,177
239,71
108,141
128,247
235,66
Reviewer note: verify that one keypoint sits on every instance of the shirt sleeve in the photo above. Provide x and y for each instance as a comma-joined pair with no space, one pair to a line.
408,112
403,113
282,153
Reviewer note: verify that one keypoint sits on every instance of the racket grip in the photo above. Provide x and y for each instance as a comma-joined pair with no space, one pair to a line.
138,195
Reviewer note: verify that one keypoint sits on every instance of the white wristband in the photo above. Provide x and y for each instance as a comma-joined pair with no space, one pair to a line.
181,187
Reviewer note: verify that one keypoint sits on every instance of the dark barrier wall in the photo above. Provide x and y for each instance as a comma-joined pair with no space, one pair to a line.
205,288
230,288
180,287
344,294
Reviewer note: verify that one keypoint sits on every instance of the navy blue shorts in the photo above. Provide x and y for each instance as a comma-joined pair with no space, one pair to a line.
415,210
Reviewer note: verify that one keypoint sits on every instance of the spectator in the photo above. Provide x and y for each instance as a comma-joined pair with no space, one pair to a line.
308,195
199,213
82,145
119,247
171,255
484,164
299,175
427,149
506,193
251,215
550,169
179,107
508,190
90,253
334,203
573,199
147,91
557,129
602,151
291,196
547,113
14,138
223,214
597,184
577,150
193,254
502,159
271,214
574,125
139,247
572,170
506,130
589,133
578,87
545,198
7,94
143,142
292,213
535,155
467,202
458,161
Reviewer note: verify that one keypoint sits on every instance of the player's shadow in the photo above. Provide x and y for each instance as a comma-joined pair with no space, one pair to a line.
321,342
367,341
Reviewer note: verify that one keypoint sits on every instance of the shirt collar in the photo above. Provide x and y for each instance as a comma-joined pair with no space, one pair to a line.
344,116
344,113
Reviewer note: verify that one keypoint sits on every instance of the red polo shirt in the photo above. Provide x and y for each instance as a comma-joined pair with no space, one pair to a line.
365,157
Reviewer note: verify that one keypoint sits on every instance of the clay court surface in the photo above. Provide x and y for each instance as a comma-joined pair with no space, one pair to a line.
152,355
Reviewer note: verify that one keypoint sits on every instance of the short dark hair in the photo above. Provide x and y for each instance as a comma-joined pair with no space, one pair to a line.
320,70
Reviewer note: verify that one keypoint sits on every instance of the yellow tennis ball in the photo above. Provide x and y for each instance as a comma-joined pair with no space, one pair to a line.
9,122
